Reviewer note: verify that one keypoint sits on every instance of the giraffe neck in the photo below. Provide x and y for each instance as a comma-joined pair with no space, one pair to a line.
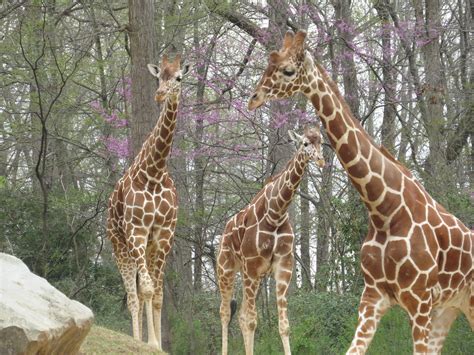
376,175
152,157
282,188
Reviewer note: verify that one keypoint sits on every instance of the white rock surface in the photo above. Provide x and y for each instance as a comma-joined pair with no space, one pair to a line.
36,318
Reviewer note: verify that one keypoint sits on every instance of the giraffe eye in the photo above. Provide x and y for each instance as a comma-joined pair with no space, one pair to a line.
288,72
178,78
305,144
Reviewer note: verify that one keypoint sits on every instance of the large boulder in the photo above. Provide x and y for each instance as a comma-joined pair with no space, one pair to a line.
35,318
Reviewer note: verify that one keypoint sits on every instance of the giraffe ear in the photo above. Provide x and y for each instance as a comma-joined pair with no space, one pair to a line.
154,70
186,68
299,39
295,137
288,40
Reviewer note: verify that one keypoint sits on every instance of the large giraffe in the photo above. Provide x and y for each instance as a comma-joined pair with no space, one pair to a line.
143,210
258,240
416,254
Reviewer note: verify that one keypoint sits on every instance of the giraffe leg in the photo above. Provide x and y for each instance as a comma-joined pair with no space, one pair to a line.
283,273
418,305
468,307
248,314
137,245
372,307
164,238
441,321
128,270
158,296
226,278
140,315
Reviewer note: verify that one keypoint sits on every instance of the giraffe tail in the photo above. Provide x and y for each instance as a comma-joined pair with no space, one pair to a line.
233,309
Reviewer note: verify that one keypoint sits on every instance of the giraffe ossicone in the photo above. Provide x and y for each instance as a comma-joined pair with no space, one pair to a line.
143,210
258,240
416,254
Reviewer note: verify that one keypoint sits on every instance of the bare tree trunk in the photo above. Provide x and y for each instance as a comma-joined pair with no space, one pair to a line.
305,235
389,110
404,118
433,89
142,50
199,178
322,276
465,127
344,26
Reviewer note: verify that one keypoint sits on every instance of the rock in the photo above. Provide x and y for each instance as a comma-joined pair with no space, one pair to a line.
36,318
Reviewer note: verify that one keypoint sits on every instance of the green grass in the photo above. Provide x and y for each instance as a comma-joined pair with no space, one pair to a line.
102,341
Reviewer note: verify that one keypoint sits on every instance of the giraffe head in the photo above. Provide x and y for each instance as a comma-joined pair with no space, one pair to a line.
286,71
169,75
309,144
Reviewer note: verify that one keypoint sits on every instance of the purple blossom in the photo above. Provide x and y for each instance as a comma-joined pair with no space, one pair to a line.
119,147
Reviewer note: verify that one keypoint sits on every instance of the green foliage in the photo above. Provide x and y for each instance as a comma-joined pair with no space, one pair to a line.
320,323
197,331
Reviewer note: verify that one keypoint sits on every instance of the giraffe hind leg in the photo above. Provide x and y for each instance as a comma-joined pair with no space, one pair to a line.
248,312
128,270
283,273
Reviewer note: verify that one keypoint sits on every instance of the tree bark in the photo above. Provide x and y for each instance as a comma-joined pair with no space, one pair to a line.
305,236
145,111
389,86
433,89
345,31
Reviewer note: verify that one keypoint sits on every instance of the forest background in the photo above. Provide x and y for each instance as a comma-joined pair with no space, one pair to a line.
77,102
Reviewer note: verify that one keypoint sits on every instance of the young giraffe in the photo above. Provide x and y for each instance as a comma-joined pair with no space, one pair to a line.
416,254
143,210
259,240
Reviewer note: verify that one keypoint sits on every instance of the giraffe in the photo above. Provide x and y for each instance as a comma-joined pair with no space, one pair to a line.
258,240
416,254
143,208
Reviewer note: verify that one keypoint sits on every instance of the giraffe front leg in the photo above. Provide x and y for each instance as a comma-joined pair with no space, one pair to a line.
418,306
158,297
441,321
137,244
226,277
468,307
372,307
283,273
163,237
157,306
248,314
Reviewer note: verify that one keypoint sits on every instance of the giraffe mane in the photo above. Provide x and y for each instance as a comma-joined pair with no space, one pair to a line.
169,68
390,157
334,88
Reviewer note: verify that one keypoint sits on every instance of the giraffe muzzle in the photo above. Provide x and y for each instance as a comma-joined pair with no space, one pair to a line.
160,97
255,101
